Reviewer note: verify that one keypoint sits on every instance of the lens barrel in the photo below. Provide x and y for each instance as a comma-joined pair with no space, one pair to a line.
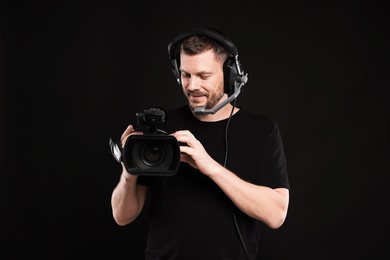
151,154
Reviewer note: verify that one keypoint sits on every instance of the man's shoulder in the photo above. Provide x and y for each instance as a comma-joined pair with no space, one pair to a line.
252,118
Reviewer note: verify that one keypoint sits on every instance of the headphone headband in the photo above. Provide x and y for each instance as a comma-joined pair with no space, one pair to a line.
172,46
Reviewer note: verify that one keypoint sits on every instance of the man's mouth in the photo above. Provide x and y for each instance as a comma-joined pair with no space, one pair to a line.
196,97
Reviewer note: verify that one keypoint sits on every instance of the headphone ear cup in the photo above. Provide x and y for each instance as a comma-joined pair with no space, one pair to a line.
230,75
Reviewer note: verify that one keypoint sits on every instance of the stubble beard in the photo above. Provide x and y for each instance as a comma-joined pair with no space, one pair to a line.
212,99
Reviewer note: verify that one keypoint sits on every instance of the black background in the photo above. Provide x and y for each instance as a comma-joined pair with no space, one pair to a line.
74,73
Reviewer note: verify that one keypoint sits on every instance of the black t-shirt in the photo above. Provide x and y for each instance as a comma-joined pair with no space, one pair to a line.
189,215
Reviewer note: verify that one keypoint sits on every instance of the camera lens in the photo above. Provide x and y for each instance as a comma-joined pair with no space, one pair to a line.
155,155
152,154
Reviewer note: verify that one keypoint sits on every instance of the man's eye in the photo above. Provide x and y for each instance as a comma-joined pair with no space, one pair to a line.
185,75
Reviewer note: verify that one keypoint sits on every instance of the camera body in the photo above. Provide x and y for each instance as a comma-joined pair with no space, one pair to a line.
153,153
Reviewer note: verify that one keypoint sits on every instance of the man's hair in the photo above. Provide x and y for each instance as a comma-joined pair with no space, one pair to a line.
198,44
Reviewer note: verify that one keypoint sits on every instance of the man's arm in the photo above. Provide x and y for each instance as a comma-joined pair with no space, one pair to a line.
263,203
260,202
128,199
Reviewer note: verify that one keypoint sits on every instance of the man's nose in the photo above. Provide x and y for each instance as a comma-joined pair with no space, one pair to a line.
193,84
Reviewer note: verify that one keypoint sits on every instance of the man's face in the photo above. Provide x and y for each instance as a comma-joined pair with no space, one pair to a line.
202,79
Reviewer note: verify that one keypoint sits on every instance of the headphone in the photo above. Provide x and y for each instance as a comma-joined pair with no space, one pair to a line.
233,74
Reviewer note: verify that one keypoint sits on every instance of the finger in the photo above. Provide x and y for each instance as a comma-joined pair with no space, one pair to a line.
184,136
183,133
185,150
125,134
184,141
185,158
128,130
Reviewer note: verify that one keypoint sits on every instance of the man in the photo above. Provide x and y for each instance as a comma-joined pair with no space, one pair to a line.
233,171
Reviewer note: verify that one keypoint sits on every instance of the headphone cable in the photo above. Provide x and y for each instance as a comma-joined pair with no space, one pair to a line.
224,164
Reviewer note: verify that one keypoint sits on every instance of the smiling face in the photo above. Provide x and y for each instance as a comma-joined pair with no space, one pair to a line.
202,78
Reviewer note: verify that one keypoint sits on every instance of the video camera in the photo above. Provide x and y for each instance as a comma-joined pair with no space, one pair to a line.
154,153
